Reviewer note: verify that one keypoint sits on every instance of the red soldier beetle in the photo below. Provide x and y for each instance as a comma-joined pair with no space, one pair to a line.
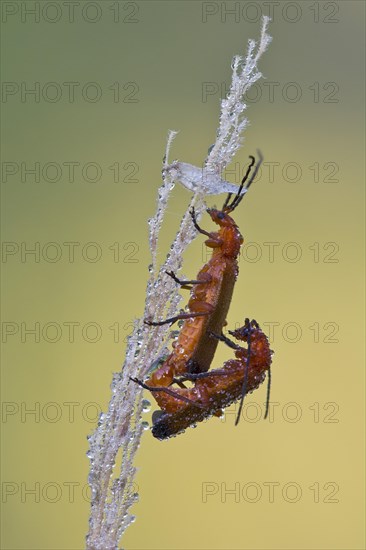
211,295
218,388
210,299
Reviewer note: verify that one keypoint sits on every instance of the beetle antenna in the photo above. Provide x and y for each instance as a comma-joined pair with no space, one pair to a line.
268,393
239,196
226,203
225,206
246,373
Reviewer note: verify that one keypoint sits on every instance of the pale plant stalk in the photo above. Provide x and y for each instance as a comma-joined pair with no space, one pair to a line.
119,430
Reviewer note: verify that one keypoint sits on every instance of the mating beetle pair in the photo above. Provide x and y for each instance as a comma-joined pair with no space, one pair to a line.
194,349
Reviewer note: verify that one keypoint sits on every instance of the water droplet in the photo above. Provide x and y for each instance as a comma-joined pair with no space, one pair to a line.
146,405
145,425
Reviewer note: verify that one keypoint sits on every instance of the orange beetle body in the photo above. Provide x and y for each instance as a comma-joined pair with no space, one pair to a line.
194,348
219,388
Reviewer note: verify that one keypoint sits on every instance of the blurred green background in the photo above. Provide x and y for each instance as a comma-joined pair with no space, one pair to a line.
109,80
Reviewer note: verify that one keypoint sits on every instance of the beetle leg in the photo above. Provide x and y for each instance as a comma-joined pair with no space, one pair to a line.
172,320
191,376
225,339
168,391
185,283
194,219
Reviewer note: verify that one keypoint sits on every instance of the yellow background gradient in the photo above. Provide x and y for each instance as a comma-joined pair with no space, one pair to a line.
296,481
